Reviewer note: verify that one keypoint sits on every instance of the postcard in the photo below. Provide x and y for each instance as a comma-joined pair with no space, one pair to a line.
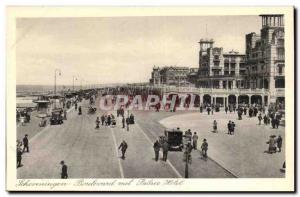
150,99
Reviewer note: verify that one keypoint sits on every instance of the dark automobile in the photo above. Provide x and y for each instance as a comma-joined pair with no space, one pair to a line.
174,138
92,110
56,118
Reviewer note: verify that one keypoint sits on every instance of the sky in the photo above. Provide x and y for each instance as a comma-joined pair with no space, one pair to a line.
119,49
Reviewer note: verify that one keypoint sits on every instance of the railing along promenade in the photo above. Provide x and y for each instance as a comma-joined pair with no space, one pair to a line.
168,89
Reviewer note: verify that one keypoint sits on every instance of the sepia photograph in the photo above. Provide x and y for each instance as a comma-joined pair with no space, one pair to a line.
162,100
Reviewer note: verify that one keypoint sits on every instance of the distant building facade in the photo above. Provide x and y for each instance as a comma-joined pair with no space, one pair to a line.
220,70
254,77
170,75
265,58
224,78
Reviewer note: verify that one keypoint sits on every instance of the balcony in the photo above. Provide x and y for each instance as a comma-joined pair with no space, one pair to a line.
280,92
277,74
279,59
216,67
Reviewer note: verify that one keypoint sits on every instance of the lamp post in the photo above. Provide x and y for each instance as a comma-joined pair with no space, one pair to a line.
81,83
74,78
55,71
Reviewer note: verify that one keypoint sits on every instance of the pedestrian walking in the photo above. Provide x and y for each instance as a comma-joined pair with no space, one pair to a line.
215,126
79,110
127,123
75,106
204,148
64,170
165,148
22,120
188,152
229,127
277,121
272,142
245,111
102,120
265,119
108,120
273,122
195,140
19,156
156,147
232,128
123,122
226,109
259,118
97,123
279,143
25,144
65,114
123,146
188,134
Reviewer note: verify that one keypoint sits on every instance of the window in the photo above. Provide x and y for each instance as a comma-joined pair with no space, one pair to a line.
280,69
216,73
280,42
279,83
280,53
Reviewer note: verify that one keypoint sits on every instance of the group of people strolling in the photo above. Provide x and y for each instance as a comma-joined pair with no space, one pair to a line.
274,144
106,120
25,144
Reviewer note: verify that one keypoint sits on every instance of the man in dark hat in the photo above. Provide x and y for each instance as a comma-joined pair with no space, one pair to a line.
102,120
75,106
279,143
64,170
229,127
97,123
232,128
123,122
165,148
26,143
204,148
19,156
195,140
259,119
123,146
127,123
79,110
156,147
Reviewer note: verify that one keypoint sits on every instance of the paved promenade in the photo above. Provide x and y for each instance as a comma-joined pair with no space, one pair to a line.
92,153
243,153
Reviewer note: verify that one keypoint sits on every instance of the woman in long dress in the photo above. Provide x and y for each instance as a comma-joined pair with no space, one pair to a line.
215,126
22,119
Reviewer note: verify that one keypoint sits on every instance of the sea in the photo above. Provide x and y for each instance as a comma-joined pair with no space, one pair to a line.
27,93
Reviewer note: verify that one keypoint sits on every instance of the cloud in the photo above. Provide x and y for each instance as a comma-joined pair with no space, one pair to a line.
113,50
